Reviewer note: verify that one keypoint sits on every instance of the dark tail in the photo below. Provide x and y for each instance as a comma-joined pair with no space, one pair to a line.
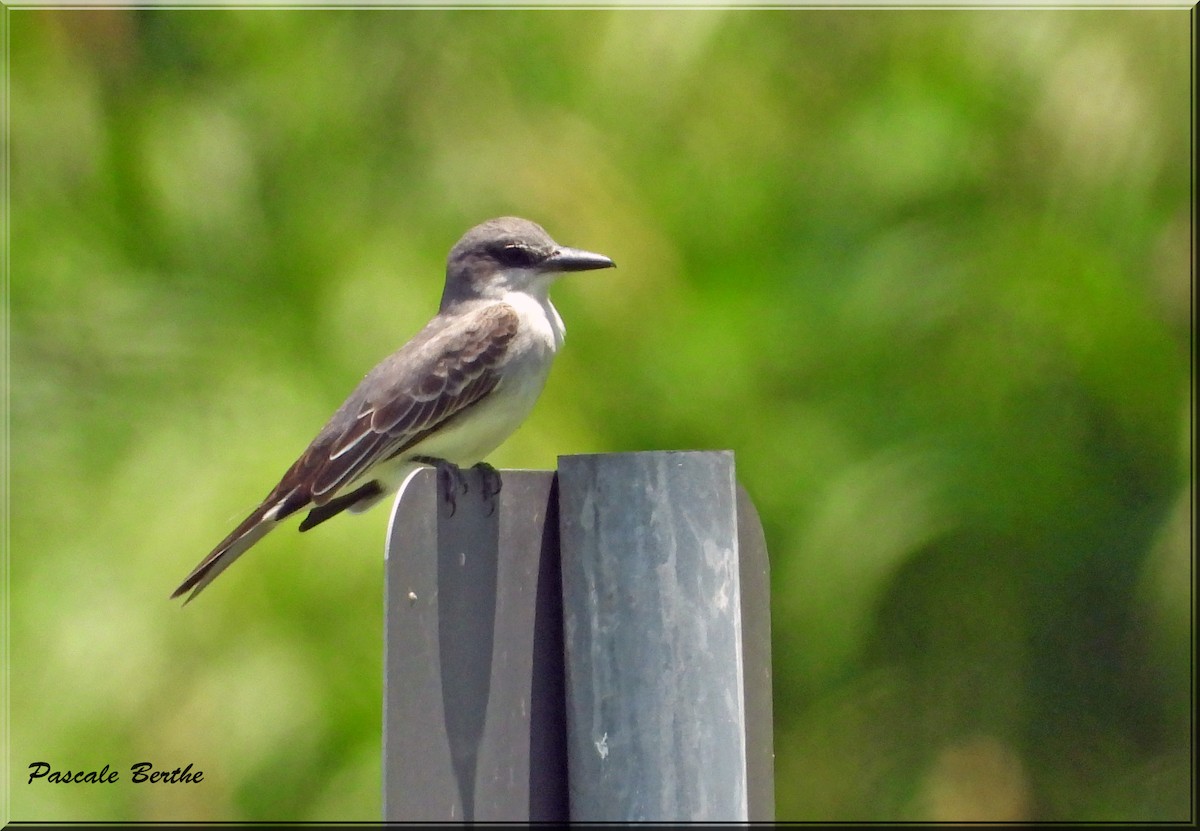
253,528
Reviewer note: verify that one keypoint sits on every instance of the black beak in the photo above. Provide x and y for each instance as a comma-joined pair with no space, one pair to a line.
573,259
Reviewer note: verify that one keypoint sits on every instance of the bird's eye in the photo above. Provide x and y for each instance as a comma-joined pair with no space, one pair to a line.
515,256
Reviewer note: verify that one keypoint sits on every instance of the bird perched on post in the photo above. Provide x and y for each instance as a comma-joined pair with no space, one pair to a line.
446,398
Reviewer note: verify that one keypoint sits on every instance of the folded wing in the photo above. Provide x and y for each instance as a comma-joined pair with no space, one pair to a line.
446,368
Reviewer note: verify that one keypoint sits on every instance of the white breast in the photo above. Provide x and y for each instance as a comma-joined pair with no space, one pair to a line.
525,370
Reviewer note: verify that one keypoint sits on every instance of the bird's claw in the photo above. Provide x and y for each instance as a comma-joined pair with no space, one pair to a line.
491,484
447,474
450,480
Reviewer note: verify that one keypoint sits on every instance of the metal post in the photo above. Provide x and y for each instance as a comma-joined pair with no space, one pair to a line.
474,727
656,703
667,641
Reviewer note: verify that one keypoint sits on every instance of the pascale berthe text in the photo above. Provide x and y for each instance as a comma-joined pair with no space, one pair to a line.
139,773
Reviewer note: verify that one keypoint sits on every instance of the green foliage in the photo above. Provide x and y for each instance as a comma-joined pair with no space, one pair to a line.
926,272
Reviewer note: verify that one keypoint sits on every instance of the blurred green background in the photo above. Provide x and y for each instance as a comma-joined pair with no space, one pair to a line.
928,274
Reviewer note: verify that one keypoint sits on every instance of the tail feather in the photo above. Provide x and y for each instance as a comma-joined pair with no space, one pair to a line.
252,529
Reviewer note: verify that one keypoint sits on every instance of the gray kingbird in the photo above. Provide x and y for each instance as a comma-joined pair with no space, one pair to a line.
447,398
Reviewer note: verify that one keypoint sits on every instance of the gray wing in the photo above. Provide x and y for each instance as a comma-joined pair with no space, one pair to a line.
448,366
441,372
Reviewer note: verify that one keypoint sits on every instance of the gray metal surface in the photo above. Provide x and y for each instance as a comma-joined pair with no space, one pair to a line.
474,726
755,575
656,716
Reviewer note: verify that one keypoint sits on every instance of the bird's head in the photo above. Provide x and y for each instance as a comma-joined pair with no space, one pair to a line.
510,254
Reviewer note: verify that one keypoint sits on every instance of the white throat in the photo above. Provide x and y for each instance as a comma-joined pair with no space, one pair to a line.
539,316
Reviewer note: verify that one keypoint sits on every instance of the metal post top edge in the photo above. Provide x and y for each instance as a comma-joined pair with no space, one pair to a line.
627,454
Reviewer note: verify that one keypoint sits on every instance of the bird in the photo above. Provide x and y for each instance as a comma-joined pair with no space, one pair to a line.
446,398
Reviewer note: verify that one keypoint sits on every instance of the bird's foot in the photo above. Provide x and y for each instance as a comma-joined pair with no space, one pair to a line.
451,481
491,484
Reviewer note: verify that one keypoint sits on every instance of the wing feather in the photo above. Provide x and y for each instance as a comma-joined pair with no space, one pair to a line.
437,375
450,365
398,411
337,472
